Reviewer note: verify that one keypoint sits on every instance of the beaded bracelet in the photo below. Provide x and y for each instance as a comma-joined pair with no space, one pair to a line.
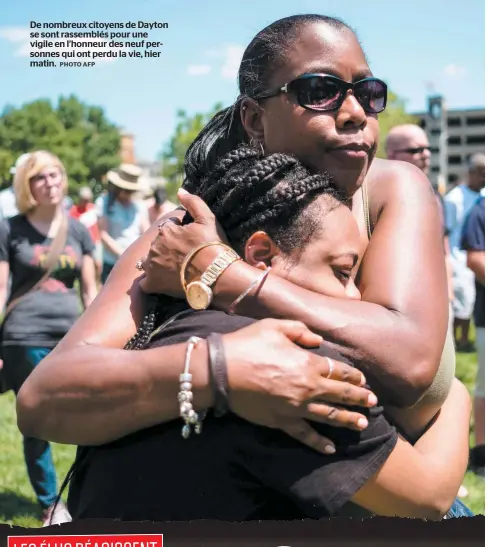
185,396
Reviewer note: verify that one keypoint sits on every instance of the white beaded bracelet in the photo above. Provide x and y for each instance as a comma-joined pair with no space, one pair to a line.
185,395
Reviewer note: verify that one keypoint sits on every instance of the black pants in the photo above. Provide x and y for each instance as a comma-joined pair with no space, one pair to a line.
19,362
107,268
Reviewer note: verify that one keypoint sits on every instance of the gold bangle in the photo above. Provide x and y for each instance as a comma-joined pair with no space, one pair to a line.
191,255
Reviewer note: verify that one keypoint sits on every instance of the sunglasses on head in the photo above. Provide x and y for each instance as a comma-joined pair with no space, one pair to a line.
322,92
418,150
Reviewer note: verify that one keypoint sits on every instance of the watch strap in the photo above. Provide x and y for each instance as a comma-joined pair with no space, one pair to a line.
189,257
218,266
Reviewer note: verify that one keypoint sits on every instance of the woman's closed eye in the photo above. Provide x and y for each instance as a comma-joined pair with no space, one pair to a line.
343,274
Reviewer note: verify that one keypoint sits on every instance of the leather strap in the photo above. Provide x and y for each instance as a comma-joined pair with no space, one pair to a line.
52,258
218,374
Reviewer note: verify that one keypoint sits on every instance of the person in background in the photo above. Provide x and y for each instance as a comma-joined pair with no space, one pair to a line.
121,217
161,205
8,206
44,314
459,203
409,142
85,212
473,242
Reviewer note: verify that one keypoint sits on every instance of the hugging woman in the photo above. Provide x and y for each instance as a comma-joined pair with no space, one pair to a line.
281,218
305,90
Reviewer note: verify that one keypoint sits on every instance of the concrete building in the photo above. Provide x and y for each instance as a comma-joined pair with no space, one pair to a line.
454,136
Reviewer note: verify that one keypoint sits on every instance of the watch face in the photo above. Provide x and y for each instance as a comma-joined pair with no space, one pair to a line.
199,296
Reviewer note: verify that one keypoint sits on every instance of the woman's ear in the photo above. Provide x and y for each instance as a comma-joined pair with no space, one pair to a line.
260,249
251,117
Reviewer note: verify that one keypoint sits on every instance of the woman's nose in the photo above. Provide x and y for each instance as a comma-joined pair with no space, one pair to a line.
352,292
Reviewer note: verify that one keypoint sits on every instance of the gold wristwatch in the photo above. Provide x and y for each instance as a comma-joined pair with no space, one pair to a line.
199,293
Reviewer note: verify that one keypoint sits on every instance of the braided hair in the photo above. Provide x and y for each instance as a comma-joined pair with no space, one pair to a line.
248,192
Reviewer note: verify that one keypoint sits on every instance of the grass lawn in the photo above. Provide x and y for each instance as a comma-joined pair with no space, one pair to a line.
17,502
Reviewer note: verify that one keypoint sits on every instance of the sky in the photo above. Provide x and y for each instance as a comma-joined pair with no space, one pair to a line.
418,47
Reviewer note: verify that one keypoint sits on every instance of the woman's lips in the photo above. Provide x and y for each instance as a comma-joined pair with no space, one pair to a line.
350,153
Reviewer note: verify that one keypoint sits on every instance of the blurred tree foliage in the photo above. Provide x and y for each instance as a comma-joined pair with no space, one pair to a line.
173,154
81,135
395,114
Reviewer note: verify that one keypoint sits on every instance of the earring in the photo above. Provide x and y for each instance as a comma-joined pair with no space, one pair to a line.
259,145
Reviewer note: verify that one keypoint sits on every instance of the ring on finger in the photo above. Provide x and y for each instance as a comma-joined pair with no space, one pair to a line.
161,224
331,367
140,265
174,220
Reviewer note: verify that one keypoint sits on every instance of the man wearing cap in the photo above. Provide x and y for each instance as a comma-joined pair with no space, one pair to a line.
461,200
121,217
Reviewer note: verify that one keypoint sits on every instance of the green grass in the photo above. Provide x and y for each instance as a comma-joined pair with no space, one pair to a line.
17,501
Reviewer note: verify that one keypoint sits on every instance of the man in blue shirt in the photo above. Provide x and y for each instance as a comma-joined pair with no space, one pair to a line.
459,203
473,242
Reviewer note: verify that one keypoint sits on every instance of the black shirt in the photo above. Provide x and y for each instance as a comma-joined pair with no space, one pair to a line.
43,316
234,470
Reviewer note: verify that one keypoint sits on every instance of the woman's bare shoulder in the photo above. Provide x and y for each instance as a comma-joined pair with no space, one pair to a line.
392,180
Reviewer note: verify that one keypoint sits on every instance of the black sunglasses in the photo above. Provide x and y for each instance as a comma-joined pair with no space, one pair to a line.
322,92
418,150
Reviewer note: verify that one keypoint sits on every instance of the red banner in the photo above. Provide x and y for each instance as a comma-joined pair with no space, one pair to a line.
119,540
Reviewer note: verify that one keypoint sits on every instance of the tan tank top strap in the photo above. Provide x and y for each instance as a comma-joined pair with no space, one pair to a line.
367,217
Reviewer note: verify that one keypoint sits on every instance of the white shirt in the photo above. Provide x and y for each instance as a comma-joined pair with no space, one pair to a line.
8,207
459,202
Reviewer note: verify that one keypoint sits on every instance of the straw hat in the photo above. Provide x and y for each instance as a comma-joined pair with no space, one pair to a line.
126,176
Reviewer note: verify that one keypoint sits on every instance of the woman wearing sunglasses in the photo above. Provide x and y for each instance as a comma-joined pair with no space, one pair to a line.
305,89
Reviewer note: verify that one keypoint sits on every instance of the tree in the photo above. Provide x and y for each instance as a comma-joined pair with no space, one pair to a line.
85,141
395,114
173,155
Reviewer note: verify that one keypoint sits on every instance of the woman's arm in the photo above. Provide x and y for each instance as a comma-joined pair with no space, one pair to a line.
447,254
4,278
107,240
476,263
145,222
422,481
88,281
396,333
89,391
105,394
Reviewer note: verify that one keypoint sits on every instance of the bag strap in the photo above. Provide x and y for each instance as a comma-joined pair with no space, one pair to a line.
52,258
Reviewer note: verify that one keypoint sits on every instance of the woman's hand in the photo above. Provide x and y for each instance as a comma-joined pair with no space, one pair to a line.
275,383
162,264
